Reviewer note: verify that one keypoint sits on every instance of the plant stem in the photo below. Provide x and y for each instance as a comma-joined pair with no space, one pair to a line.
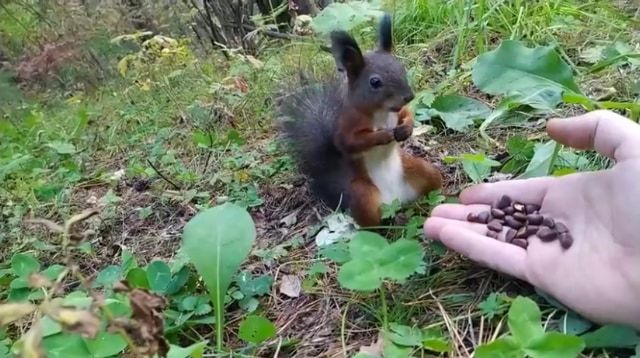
385,313
556,150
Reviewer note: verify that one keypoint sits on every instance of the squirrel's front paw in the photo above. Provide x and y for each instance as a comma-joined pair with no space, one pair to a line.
401,133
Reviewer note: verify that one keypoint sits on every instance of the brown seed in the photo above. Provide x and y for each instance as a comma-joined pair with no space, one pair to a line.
531,208
509,210
562,228
520,216
518,207
565,240
511,222
497,213
504,202
472,218
549,222
492,234
535,219
495,225
520,242
484,217
545,234
532,230
522,233
511,234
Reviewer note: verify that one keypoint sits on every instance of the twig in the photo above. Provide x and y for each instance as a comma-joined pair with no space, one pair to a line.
174,185
278,35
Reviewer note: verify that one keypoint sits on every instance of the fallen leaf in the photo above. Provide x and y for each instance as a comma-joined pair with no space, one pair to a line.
10,312
83,322
290,286
375,349
338,225
290,219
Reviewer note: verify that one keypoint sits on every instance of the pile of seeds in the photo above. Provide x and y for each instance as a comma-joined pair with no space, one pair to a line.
523,221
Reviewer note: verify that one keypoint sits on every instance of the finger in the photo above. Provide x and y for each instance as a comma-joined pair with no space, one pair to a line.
434,225
494,254
458,211
609,133
530,191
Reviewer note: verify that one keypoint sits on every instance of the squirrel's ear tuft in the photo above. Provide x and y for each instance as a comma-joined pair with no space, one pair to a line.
385,36
347,53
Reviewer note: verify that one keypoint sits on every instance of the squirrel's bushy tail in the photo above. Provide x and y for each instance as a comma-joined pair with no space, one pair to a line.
308,114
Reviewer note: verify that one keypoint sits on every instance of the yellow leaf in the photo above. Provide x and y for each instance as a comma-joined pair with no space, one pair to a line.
10,312
123,66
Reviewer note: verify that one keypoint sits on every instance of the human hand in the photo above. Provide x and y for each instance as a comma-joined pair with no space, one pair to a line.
599,275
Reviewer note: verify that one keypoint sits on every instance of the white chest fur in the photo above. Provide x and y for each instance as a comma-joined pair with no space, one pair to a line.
384,164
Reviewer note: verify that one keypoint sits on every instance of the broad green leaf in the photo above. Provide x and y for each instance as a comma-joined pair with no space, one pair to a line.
137,277
555,345
178,281
525,320
513,67
256,329
24,264
401,259
105,345
405,335
195,350
434,340
459,112
217,241
500,348
63,147
65,345
318,268
490,306
612,336
344,16
573,324
129,262
49,326
392,350
249,304
338,252
52,272
542,161
159,276
477,166
359,275
367,245
251,286
109,276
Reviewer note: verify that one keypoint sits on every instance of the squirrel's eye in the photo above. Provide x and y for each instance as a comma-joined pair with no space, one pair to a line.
375,82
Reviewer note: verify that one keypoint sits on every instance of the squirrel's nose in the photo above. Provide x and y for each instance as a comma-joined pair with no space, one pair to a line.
409,98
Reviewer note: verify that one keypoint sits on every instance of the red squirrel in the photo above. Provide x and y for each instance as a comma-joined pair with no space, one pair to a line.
345,134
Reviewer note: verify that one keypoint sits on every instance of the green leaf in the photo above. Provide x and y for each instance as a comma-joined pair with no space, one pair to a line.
525,320
105,345
542,161
318,268
612,336
24,264
405,335
49,326
555,345
513,67
500,348
62,147
359,275
250,286
344,16
400,259
338,252
137,277
367,245
434,340
195,350
490,306
573,324
256,329
52,272
178,281
159,276
217,241
391,350
459,112
128,262
109,276
65,345
477,166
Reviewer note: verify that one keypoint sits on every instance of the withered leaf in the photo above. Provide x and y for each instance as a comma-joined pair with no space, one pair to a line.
83,322
37,280
10,312
31,342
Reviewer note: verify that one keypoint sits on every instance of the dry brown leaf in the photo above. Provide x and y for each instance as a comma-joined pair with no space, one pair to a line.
290,285
146,326
31,342
10,312
53,227
37,280
376,348
84,215
83,322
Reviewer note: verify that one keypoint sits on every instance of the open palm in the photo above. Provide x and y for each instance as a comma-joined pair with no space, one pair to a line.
599,275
